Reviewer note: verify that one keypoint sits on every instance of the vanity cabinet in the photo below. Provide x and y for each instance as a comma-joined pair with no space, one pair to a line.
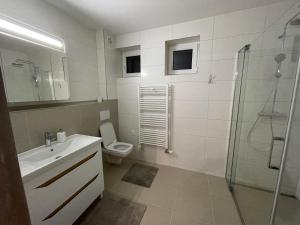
61,194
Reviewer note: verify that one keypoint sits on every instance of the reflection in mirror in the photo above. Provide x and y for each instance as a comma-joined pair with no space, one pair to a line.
32,72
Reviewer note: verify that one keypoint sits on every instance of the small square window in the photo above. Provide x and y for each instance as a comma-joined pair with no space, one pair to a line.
182,59
133,64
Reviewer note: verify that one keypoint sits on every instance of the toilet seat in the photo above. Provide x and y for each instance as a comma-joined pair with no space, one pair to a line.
111,145
118,149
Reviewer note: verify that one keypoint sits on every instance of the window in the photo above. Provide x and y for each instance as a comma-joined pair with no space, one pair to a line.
182,58
131,63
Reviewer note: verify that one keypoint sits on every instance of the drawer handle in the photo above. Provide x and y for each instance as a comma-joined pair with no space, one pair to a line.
60,175
70,199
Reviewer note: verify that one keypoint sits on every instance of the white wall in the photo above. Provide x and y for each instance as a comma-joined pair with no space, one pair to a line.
109,64
80,42
201,111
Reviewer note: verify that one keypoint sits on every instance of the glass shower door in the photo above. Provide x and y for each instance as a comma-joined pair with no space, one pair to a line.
262,100
263,169
241,64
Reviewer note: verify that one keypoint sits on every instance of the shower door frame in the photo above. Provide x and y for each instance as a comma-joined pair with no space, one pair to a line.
245,52
286,145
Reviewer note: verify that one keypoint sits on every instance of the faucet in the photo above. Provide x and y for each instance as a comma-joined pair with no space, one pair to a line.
49,138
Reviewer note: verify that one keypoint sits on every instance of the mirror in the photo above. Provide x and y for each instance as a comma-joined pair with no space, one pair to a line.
32,72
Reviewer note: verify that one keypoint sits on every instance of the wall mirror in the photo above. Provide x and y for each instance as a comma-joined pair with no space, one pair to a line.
32,72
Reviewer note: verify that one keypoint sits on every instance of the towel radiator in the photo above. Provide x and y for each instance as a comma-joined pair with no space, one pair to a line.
154,115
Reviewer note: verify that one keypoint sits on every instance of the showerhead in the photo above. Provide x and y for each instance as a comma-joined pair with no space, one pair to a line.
280,58
294,21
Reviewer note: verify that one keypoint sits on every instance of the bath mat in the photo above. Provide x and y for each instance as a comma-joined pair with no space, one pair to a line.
114,210
140,174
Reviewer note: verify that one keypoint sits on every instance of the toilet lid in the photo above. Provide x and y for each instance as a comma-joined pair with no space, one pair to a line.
108,133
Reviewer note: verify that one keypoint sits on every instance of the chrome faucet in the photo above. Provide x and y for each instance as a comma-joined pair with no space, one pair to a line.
49,138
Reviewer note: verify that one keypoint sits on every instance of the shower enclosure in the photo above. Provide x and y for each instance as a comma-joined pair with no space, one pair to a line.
263,167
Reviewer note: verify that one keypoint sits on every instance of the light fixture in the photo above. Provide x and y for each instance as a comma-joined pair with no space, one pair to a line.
13,29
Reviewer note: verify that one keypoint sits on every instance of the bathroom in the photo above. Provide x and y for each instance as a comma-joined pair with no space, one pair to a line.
188,117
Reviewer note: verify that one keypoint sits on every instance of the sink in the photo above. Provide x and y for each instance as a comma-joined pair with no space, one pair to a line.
39,159
47,154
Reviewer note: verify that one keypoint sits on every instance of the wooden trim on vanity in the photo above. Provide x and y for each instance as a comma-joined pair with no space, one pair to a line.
70,199
60,175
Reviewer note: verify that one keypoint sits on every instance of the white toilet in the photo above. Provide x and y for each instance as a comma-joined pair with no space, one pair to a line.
115,151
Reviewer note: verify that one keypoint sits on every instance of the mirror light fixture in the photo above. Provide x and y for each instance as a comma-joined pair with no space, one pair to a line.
26,33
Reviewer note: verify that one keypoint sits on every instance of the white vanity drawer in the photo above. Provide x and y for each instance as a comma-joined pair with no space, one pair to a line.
72,210
51,190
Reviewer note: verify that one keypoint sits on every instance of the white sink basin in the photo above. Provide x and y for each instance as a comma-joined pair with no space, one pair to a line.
44,154
41,158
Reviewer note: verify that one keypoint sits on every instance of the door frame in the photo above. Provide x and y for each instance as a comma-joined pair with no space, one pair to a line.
14,208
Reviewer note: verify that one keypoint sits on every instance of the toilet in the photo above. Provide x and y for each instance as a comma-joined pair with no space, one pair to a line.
115,151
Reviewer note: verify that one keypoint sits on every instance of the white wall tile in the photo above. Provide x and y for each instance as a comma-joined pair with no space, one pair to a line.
226,48
190,109
112,92
205,50
152,56
129,80
221,91
223,69
189,152
154,75
128,106
190,126
202,27
202,75
191,91
153,154
128,40
128,91
155,37
128,121
216,156
219,110
218,129
240,22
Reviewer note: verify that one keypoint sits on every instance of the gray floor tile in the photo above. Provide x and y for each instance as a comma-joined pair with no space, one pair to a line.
176,196
156,216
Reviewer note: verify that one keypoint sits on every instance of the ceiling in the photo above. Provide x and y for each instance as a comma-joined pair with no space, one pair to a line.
123,16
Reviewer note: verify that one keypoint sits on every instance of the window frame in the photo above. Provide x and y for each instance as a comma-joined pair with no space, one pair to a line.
179,47
126,54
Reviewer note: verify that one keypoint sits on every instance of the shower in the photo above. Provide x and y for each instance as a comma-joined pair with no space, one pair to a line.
263,167
272,114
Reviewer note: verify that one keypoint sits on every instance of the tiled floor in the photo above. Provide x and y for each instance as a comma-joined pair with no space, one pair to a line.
177,197
256,205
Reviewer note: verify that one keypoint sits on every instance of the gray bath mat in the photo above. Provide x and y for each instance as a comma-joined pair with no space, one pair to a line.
140,174
114,210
